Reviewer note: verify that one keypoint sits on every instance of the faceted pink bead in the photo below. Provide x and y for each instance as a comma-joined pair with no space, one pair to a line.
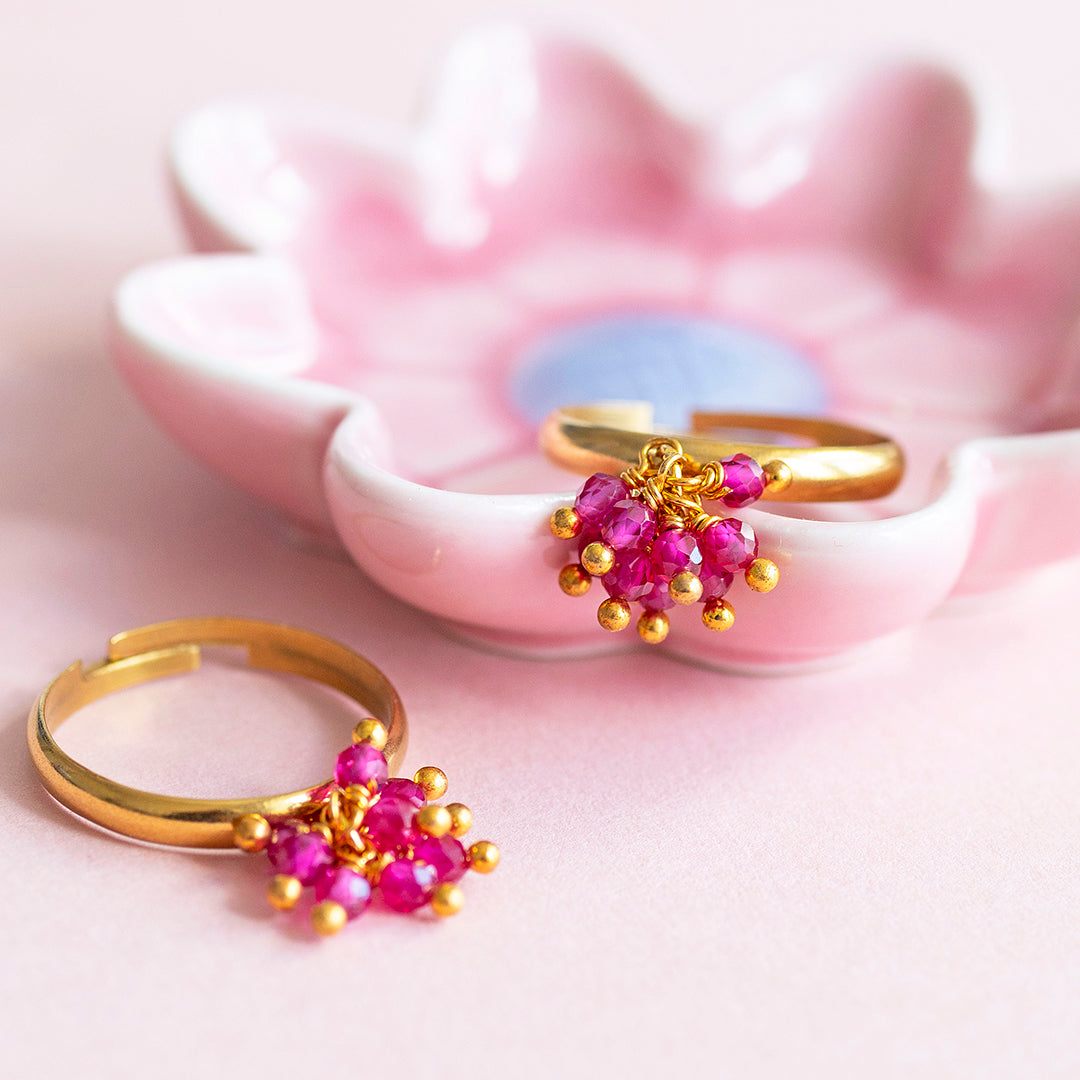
406,885
673,551
278,846
728,545
714,583
389,822
631,524
407,789
361,765
303,855
346,887
630,577
745,477
657,598
597,496
445,854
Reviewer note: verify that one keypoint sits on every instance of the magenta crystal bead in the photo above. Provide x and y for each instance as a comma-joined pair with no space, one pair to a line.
344,886
445,854
407,885
745,477
361,764
728,545
631,524
597,496
714,582
673,551
303,855
630,577
657,598
278,846
389,822
407,789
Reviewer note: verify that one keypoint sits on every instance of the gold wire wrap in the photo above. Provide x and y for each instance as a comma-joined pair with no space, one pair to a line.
659,480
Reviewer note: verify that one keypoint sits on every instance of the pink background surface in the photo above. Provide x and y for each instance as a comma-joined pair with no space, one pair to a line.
870,871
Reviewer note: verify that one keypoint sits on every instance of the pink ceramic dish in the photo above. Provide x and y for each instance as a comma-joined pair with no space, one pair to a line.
399,310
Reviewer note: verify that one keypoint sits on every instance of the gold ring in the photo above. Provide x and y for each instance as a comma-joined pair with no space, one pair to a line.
640,523
171,648
359,831
845,463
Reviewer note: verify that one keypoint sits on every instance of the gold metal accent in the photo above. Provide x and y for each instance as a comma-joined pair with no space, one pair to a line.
374,867
614,614
284,891
460,818
718,615
574,580
565,523
483,857
653,627
251,832
328,917
448,899
432,780
172,648
673,487
597,558
777,476
847,463
371,732
685,587
324,830
434,820
343,811
762,575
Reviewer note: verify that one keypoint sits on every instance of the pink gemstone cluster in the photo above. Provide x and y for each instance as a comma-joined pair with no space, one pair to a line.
645,535
365,832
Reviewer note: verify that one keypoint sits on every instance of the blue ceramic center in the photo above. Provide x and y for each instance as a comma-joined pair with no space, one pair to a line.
678,362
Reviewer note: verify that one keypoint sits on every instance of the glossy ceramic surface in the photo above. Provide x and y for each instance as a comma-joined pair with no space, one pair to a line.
383,316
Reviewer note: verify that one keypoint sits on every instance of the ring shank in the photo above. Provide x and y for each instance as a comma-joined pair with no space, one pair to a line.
172,648
846,463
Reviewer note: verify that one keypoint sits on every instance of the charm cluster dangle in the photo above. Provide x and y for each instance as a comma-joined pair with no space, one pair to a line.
365,831
646,536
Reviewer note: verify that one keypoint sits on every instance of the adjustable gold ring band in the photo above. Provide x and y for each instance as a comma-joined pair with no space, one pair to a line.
171,648
846,463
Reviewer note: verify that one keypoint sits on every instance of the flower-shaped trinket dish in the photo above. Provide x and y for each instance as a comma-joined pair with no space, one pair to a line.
382,318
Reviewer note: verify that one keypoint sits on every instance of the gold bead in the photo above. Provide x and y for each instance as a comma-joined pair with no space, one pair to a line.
777,476
460,818
565,523
685,587
574,581
653,627
251,832
762,575
432,780
370,732
597,558
284,891
328,917
434,820
718,615
447,899
614,614
483,857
